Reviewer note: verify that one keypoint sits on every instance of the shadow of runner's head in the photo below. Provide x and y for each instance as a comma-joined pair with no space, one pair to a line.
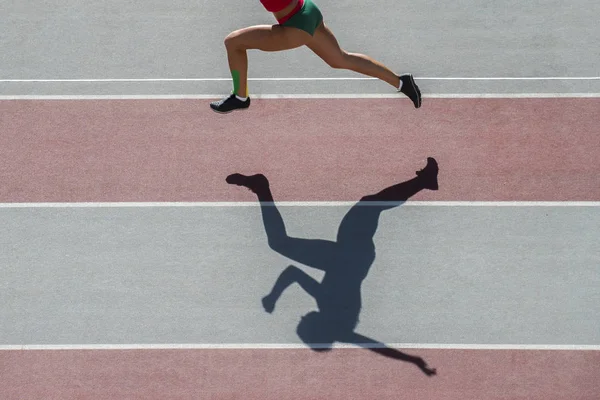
319,330
314,331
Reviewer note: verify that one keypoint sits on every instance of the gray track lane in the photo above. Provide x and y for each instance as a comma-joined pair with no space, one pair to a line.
184,39
522,275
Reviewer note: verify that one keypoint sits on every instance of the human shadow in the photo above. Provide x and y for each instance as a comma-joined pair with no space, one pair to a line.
346,263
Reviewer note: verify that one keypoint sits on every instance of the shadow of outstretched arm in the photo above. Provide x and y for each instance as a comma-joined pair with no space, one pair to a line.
380,348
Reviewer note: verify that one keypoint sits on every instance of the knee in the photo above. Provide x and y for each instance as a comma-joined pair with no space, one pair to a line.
277,244
232,41
340,61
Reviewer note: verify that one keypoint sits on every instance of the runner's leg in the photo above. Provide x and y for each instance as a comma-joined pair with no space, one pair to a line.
260,37
325,45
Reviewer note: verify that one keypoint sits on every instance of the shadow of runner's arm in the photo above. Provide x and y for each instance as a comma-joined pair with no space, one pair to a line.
288,277
380,348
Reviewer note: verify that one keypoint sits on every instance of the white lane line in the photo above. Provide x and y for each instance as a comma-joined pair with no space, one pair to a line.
307,204
304,96
298,346
521,78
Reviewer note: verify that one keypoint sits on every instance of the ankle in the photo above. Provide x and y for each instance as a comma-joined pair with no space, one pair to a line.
398,85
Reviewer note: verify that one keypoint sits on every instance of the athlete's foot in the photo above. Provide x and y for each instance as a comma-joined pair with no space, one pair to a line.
429,174
229,104
255,183
410,89
268,303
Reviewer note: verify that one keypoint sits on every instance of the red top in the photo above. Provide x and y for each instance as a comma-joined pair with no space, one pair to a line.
275,5
278,5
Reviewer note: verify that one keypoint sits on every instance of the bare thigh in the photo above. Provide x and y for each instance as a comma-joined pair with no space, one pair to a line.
325,45
267,38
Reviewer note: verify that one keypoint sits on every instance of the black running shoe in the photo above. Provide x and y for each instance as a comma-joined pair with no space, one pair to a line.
229,104
410,89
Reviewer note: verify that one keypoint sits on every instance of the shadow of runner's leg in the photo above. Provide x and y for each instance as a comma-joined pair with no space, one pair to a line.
425,179
314,253
360,223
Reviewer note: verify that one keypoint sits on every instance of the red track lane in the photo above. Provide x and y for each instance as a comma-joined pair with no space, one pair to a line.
179,150
298,374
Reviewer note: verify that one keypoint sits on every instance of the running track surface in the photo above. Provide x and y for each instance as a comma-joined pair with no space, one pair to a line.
177,150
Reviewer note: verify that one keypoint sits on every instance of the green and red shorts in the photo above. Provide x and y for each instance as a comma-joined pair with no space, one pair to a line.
306,16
